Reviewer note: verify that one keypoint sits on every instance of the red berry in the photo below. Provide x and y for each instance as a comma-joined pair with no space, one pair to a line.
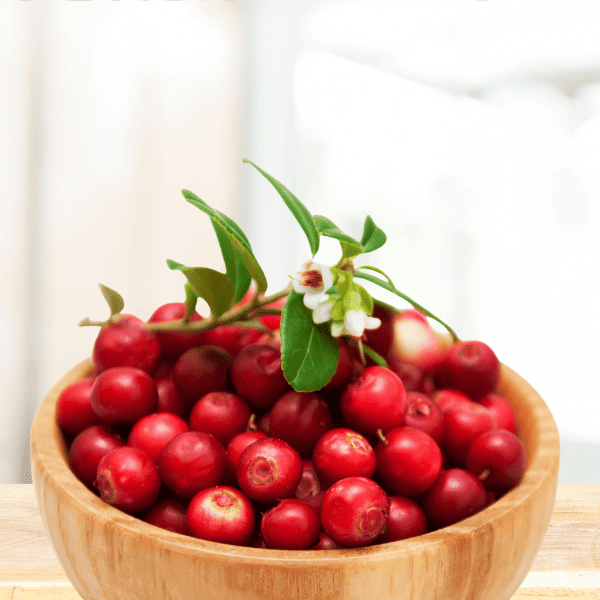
502,412
128,479
309,490
256,375
269,470
126,343
88,448
355,511
300,419
406,520
273,322
410,375
174,344
342,453
167,513
233,338
376,400
408,461
169,400
201,370
344,369
424,414
73,409
380,339
325,543
448,399
238,444
497,458
222,414
191,462
470,367
153,432
455,495
221,514
291,525
123,395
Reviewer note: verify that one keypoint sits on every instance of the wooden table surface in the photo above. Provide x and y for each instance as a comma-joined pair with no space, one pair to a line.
567,565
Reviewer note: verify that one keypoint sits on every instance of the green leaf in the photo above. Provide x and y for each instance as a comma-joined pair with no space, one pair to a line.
190,301
298,209
235,248
113,299
212,286
375,356
372,237
366,300
326,227
309,354
370,268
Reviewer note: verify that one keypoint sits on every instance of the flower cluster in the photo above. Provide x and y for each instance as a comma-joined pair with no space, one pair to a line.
317,283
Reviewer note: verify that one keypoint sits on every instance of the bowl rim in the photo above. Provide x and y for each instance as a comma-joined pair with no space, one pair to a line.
51,458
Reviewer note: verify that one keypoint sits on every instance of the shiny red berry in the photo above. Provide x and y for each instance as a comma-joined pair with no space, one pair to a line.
424,414
73,408
167,513
406,520
169,400
153,432
344,369
502,412
238,444
310,490
291,525
232,338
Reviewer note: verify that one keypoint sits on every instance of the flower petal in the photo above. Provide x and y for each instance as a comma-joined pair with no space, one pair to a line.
337,329
372,323
322,313
312,298
354,322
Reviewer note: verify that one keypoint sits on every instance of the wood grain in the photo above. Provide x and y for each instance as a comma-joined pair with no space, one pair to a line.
109,555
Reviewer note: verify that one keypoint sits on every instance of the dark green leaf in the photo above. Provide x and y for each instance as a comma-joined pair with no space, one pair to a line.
113,299
372,237
235,248
212,286
326,227
190,301
298,209
375,356
309,354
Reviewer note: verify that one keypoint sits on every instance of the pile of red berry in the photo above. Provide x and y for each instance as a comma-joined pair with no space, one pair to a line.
201,434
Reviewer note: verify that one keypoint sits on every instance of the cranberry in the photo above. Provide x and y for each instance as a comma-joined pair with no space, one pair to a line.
408,461
233,338
222,414
256,375
497,457
169,400
424,414
273,322
291,525
502,412
153,432
455,495
238,444
201,370
376,400
380,339
344,369
167,513
325,543
221,514
191,462
342,453
406,520
73,409
174,344
88,448
410,375
309,490
463,424
355,511
126,343
264,423
122,395
300,419
128,479
447,399
470,367
269,470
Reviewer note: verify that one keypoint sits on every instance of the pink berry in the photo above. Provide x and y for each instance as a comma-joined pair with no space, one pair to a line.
126,343
174,344
309,490
153,432
376,400
424,414
123,395
221,414
497,458
128,479
406,520
470,367
221,514
455,495
502,412
355,511
73,409
342,453
291,525
201,370
300,419
408,461
269,470
167,513
88,448
191,462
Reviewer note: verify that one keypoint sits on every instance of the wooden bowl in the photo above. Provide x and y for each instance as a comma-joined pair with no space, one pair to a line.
109,555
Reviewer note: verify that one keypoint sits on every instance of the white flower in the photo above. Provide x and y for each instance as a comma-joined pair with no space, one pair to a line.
355,322
313,281
322,312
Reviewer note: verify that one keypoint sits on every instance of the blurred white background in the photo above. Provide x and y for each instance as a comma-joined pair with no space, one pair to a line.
468,131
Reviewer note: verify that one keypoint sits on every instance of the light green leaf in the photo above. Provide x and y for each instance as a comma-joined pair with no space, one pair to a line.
366,300
372,237
190,301
113,299
326,227
298,209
